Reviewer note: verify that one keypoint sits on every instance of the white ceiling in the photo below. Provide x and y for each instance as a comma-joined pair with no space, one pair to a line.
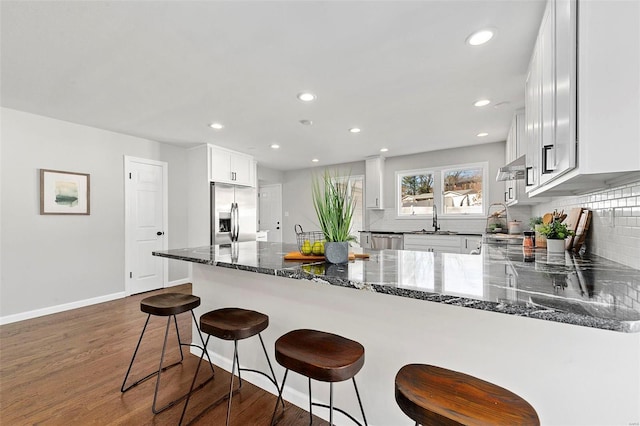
164,70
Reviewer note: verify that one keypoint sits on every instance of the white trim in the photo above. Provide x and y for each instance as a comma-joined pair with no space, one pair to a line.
293,396
60,308
165,213
178,282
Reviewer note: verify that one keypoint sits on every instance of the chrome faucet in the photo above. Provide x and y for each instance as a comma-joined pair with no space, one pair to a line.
436,228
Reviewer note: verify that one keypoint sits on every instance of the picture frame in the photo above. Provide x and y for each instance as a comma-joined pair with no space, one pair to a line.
64,193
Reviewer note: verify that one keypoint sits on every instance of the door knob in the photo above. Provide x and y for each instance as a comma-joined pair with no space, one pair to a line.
159,233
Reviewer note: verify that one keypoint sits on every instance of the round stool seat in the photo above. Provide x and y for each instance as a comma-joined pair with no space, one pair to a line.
233,323
434,395
169,304
320,356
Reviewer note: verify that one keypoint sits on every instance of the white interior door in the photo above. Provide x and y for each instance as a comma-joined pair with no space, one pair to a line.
270,199
145,224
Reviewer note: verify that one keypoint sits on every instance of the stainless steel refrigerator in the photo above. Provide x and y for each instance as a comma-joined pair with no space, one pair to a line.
233,213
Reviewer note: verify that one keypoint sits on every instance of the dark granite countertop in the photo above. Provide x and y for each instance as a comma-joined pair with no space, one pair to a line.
586,291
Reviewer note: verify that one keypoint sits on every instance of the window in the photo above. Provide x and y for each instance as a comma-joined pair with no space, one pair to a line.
462,190
456,190
416,193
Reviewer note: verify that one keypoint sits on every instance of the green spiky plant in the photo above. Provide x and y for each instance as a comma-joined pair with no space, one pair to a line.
333,206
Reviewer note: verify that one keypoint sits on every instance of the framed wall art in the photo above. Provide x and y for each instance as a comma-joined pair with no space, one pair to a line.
64,192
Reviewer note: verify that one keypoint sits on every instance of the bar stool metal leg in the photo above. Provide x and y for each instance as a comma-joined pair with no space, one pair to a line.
233,324
275,409
364,418
162,368
310,404
135,352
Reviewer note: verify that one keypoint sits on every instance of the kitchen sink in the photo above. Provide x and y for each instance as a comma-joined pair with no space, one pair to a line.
424,231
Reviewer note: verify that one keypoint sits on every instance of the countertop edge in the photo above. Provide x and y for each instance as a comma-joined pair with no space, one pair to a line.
520,310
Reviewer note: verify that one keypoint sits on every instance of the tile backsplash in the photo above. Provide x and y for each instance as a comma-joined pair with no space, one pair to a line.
615,225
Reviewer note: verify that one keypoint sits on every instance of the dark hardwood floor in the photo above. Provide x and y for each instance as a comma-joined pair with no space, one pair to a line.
67,369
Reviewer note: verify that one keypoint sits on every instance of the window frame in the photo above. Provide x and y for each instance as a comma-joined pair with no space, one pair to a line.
484,165
438,190
399,175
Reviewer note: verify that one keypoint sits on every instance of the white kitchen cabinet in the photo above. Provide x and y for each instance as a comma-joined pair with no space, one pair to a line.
469,243
550,96
433,243
204,162
581,119
374,174
230,167
514,192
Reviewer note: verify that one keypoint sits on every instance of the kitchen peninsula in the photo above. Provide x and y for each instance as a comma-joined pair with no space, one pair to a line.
563,333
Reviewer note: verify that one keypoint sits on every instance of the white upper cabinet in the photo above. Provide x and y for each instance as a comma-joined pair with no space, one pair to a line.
550,96
514,189
374,174
581,98
230,167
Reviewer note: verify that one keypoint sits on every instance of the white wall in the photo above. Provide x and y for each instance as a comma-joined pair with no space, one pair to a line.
492,153
48,261
296,196
297,191
267,176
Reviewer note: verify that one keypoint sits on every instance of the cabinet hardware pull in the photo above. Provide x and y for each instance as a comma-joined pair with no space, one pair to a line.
548,160
528,176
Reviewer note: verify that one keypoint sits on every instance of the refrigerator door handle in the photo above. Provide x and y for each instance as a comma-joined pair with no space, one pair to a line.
232,221
237,222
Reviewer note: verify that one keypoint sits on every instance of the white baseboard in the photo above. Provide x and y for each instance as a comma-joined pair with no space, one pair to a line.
60,308
178,282
293,396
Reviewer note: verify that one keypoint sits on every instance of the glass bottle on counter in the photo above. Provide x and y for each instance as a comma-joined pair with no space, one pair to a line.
528,245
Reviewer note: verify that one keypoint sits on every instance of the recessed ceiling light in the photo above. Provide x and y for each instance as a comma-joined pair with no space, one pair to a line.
355,130
480,37
482,102
306,122
275,146
216,126
315,160
306,96
482,135
384,149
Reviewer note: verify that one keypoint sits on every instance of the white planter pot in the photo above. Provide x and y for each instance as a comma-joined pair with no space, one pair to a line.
555,246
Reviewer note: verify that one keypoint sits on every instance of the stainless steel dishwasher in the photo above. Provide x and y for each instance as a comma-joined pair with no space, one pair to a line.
387,241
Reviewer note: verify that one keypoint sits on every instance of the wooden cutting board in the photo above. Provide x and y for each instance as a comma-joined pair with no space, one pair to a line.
296,255
581,231
572,224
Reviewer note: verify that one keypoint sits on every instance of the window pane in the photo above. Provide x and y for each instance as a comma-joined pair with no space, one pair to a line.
463,191
416,194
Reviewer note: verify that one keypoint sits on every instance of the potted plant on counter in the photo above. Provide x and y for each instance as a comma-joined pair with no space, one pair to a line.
334,208
555,232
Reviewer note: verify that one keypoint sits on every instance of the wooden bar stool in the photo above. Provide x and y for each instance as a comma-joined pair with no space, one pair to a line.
166,305
434,395
320,356
233,324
